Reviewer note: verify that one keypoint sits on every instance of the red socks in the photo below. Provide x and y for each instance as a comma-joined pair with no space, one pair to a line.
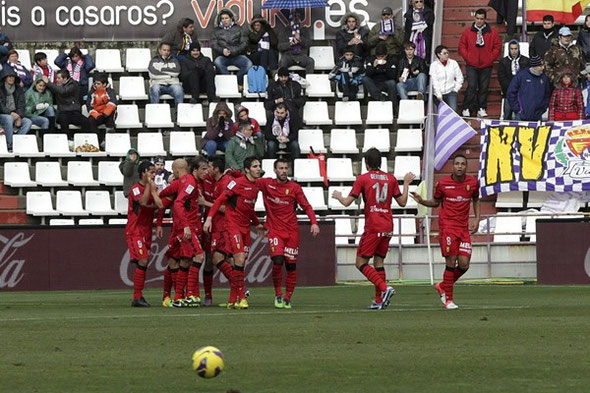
458,273
373,276
381,272
208,283
291,279
138,281
448,281
237,284
193,280
181,279
167,282
226,269
277,278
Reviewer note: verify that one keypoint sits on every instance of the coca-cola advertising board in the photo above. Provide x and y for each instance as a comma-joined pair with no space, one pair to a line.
74,258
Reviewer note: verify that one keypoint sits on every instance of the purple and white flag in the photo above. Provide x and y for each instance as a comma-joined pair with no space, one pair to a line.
451,132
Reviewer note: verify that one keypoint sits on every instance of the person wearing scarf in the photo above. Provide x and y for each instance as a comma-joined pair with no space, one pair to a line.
39,105
348,73
79,67
419,20
262,44
244,144
566,102
25,77
282,132
294,42
181,37
541,41
508,67
42,68
12,106
386,33
563,55
219,130
352,34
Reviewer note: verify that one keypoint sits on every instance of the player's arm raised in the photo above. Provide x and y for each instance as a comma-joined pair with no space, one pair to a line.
403,198
145,197
346,201
425,202
477,210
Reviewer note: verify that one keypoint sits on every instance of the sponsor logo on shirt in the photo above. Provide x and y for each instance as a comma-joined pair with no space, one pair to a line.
375,209
278,201
457,199
449,187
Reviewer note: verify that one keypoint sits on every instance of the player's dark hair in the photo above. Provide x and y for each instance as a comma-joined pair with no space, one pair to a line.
548,18
481,11
39,56
64,73
281,160
196,162
217,162
249,160
373,158
144,166
459,156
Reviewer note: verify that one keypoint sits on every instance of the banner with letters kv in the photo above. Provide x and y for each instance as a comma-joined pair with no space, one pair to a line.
125,20
522,156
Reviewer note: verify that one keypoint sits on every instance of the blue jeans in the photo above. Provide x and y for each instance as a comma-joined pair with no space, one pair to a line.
7,122
412,84
175,90
42,121
451,100
240,61
211,147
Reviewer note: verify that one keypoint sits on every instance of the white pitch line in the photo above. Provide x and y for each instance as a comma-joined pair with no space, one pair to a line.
247,313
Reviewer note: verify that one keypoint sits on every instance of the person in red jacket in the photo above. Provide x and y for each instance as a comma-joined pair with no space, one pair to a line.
566,101
479,46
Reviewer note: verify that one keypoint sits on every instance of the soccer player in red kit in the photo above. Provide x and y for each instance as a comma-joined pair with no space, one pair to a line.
207,187
454,194
377,188
240,196
143,201
280,197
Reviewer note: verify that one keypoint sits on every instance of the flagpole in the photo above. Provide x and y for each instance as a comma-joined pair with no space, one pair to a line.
430,258
523,36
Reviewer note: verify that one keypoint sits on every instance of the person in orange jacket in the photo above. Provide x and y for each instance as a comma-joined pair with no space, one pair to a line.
102,105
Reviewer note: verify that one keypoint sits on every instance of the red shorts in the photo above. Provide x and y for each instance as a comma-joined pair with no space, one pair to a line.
186,249
284,244
239,240
455,241
219,242
139,247
373,243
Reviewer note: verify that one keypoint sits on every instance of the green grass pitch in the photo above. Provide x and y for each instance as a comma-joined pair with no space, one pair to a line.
504,338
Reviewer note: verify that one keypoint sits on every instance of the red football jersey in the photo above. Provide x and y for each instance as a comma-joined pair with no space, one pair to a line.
240,196
218,222
377,188
139,218
279,201
185,209
456,197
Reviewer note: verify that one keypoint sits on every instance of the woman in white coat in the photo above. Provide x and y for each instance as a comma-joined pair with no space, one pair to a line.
446,77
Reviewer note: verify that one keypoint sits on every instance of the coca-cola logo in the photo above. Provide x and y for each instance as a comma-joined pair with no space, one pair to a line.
258,265
11,270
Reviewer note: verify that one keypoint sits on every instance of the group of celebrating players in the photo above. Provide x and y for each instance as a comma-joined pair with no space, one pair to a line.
202,186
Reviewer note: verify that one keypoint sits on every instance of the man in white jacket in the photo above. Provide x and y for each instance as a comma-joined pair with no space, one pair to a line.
446,77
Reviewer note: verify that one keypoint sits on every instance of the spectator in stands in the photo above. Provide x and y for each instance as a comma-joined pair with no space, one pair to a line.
229,42
419,20
351,33
243,116
384,32
282,132
242,145
586,90
294,43
262,44
5,47
348,73
562,55
102,105
181,38
507,68
79,66
380,73
529,91
584,39
164,70
25,77
479,46
12,106
411,73
198,74
66,93
285,91
446,77
41,67
128,168
163,176
542,40
39,105
219,130
566,101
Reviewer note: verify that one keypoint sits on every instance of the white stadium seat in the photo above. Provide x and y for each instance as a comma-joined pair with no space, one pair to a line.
127,117
531,226
158,116
61,222
24,56
117,145
509,199
150,144
315,197
39,204
91,139
190,115
340,169
307,170
405,164
537,198
91,221
51,56
56,145
323,57
383,165
137,59
4,153
334,204
343,227
506,224
378,138
319,86
408,227
69,203
313,138
132,88
98,203
257,112
410,203
411,112
26,146
117,221
109,173
360,229
316,113
208,52
80,174
183,143
108,60
121,203
226,86
48,174
268,167
348,113
343,141
17,174
409,139
379,112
